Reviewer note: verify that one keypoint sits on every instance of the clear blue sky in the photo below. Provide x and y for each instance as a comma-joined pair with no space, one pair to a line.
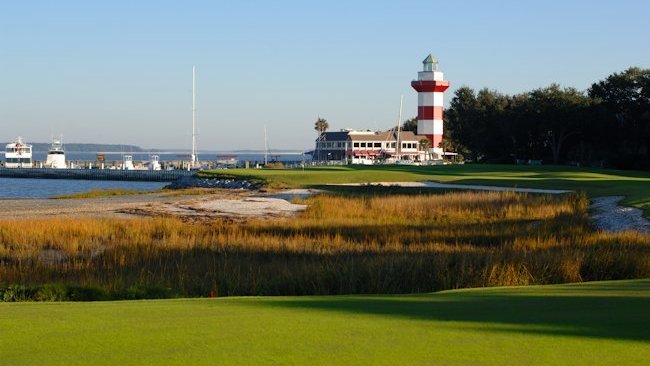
120,71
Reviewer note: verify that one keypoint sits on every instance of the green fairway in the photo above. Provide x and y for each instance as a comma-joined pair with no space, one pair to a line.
600,323
634,185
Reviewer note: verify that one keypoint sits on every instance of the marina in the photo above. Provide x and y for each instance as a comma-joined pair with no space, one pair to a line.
97,174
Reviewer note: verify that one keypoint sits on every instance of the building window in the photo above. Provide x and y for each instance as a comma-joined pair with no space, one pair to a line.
356,144
378,144
363,144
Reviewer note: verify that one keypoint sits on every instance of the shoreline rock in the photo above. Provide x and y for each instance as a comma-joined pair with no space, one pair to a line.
193,182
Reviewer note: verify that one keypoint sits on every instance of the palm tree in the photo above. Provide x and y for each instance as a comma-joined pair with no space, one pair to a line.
424,145
321,125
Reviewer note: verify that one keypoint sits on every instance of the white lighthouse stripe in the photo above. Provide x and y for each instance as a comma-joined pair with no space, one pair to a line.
437,99
426,99
437,127
437,76
426,75
425,127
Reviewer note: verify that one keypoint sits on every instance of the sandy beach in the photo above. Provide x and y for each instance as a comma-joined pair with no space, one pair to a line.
212,204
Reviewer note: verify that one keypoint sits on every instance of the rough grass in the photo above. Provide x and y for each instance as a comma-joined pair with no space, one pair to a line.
634,185
340,245
102,193
603,323
128,192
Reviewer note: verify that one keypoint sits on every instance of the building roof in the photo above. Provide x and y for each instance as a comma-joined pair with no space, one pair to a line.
371,136
336,136
430,60
386,136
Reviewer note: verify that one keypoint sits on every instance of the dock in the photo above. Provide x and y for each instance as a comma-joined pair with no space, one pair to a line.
97,174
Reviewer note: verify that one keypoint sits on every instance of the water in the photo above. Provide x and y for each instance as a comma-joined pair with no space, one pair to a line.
45,188
144,156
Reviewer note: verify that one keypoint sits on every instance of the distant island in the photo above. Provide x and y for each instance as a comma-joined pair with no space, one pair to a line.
94,148
74,147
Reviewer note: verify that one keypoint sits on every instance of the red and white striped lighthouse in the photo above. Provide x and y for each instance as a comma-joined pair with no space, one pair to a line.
430,86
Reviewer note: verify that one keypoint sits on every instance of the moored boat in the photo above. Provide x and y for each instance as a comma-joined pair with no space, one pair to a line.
56,155
153,163
18,154
127,163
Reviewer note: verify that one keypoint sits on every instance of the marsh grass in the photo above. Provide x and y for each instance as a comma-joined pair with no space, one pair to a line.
103,193
341,245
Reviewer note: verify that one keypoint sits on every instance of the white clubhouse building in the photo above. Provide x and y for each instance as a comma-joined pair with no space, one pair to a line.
371,147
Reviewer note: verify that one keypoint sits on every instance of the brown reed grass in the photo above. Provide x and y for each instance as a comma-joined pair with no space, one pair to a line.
341,244
102,193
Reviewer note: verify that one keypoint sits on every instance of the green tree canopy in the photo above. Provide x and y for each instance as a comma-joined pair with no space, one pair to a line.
609,123
410,125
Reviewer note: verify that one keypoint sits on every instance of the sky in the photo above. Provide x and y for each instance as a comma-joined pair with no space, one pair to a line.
120,71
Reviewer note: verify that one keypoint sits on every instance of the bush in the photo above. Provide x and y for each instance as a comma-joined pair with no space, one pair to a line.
52,292
138,292
14,293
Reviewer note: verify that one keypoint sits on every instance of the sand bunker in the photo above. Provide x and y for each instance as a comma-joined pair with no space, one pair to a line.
252,206
235,206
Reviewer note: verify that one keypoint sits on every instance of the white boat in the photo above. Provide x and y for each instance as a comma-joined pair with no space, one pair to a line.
56,155
18,154
153,163
128,163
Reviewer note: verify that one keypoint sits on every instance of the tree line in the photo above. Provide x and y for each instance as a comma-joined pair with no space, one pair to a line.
606,125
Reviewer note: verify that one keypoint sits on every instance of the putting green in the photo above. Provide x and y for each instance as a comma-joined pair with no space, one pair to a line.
600,323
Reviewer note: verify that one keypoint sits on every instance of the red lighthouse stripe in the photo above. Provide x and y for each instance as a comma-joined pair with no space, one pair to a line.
430,85
435,140
429,112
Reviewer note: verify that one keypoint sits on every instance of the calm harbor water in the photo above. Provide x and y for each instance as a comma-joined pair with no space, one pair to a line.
45,188
142,156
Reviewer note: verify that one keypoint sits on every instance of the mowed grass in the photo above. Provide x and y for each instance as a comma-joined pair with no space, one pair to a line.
600,323
634,185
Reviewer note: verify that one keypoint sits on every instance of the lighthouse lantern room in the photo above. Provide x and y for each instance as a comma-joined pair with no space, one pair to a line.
431,86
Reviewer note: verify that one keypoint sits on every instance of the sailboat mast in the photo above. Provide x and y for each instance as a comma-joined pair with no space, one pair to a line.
398,147
266,147
193,116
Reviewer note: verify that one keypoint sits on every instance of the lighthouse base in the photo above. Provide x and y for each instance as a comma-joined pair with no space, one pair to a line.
436,153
